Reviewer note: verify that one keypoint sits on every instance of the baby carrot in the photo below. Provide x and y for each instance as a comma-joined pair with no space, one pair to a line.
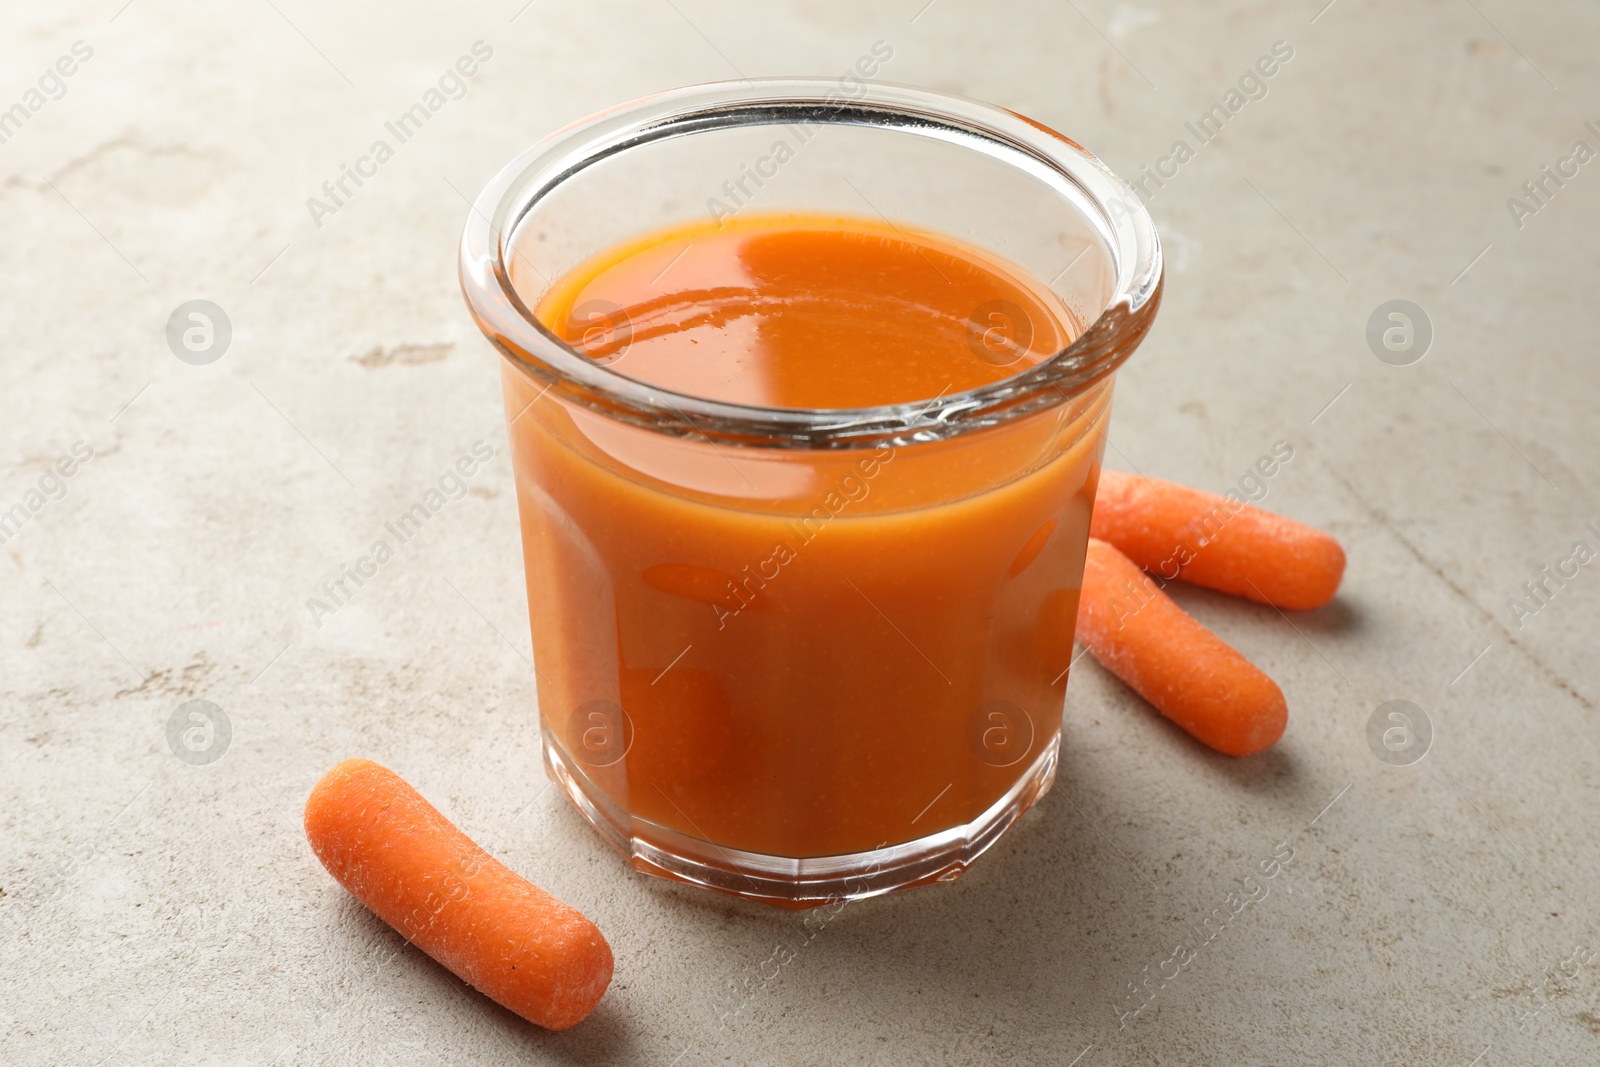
1177,532
1189,673
497,932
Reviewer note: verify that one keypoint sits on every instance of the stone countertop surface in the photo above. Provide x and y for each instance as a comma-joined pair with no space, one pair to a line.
165,910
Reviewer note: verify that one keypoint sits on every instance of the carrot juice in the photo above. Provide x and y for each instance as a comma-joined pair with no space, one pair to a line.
803,653
806,386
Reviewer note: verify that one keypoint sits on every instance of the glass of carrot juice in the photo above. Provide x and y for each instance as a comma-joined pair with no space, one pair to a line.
807,383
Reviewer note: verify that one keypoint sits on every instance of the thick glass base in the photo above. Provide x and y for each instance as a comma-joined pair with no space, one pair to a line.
798,883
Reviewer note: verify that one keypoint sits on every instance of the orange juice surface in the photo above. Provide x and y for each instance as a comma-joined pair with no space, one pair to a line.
806,313
803,652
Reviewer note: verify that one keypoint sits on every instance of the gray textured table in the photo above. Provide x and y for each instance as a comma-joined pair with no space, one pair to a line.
161,910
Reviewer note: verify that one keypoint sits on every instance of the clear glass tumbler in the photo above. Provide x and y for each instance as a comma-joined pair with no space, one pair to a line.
806,655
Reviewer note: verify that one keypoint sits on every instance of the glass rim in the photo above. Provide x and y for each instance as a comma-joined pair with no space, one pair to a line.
1122,222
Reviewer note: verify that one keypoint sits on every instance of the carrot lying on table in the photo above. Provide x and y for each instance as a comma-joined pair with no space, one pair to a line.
1174,531
494,930
1190,674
